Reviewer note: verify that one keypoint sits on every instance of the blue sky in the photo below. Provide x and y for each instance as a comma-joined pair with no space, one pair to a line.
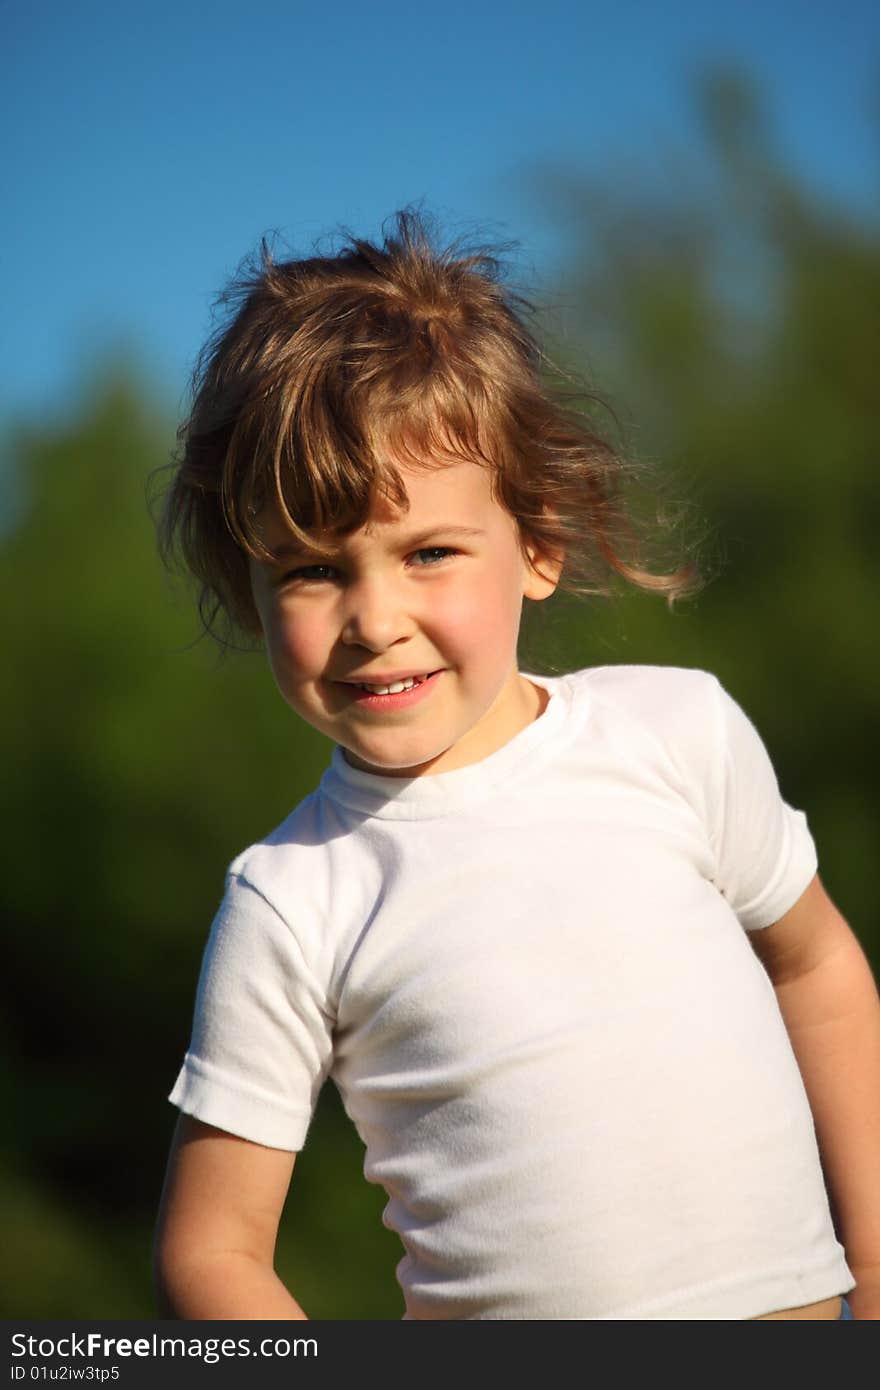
149,146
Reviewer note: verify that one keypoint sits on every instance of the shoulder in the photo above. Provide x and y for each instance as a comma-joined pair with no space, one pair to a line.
670,703
260,870
317,871
679,728
662,724
646,687
297,840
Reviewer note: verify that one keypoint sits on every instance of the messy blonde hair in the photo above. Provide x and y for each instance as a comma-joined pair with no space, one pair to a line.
326,371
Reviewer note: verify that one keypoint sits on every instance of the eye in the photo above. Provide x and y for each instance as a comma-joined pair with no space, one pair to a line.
432,555
311,574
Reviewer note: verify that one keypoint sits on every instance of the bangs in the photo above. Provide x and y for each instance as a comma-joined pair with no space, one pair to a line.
320,459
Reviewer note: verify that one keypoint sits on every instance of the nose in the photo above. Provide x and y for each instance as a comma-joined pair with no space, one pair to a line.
375,616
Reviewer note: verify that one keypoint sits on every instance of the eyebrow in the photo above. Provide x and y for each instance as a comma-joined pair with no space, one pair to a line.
289,550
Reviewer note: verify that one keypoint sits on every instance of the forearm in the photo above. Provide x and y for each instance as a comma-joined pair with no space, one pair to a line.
832,1014
224,1286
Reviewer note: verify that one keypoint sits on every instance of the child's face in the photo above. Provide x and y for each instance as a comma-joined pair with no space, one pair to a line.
434,592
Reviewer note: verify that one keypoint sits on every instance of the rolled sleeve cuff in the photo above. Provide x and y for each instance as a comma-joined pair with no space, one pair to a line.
204,1092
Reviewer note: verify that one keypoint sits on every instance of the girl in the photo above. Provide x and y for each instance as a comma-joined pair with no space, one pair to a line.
559,942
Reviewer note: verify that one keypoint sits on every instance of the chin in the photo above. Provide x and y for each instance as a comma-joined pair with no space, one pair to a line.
395,764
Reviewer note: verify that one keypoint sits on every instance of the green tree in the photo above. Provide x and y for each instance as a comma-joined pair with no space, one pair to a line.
137,764
732,313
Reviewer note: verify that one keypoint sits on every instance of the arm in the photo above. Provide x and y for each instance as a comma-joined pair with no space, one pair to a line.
829,1002
218,1222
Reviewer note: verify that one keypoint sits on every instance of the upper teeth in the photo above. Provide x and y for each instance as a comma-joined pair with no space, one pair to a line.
394,688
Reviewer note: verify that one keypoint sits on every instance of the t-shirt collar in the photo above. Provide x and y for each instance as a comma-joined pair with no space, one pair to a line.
442,793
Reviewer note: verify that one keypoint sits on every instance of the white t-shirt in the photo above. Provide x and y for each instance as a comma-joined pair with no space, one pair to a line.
531,981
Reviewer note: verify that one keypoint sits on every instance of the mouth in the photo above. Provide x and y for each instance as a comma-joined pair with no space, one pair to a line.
393,692
391,684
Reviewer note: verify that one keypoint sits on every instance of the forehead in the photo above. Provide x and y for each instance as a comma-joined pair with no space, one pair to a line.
461,484
459,494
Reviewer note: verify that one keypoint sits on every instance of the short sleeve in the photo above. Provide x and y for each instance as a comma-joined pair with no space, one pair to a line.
262,1039
764,851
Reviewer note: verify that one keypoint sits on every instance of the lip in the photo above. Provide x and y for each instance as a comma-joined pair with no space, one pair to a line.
403,699
385,679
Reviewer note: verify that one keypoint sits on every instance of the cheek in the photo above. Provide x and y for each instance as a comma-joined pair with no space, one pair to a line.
297,645
484,619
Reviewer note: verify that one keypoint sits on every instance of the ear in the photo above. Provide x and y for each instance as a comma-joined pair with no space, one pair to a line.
542,572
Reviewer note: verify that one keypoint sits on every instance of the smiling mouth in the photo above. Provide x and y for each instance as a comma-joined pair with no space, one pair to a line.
391,687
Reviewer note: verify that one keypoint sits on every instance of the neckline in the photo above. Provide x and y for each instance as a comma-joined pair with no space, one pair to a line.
439,794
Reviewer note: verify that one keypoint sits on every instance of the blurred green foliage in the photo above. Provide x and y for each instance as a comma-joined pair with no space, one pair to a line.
733,317
736,321
138,763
